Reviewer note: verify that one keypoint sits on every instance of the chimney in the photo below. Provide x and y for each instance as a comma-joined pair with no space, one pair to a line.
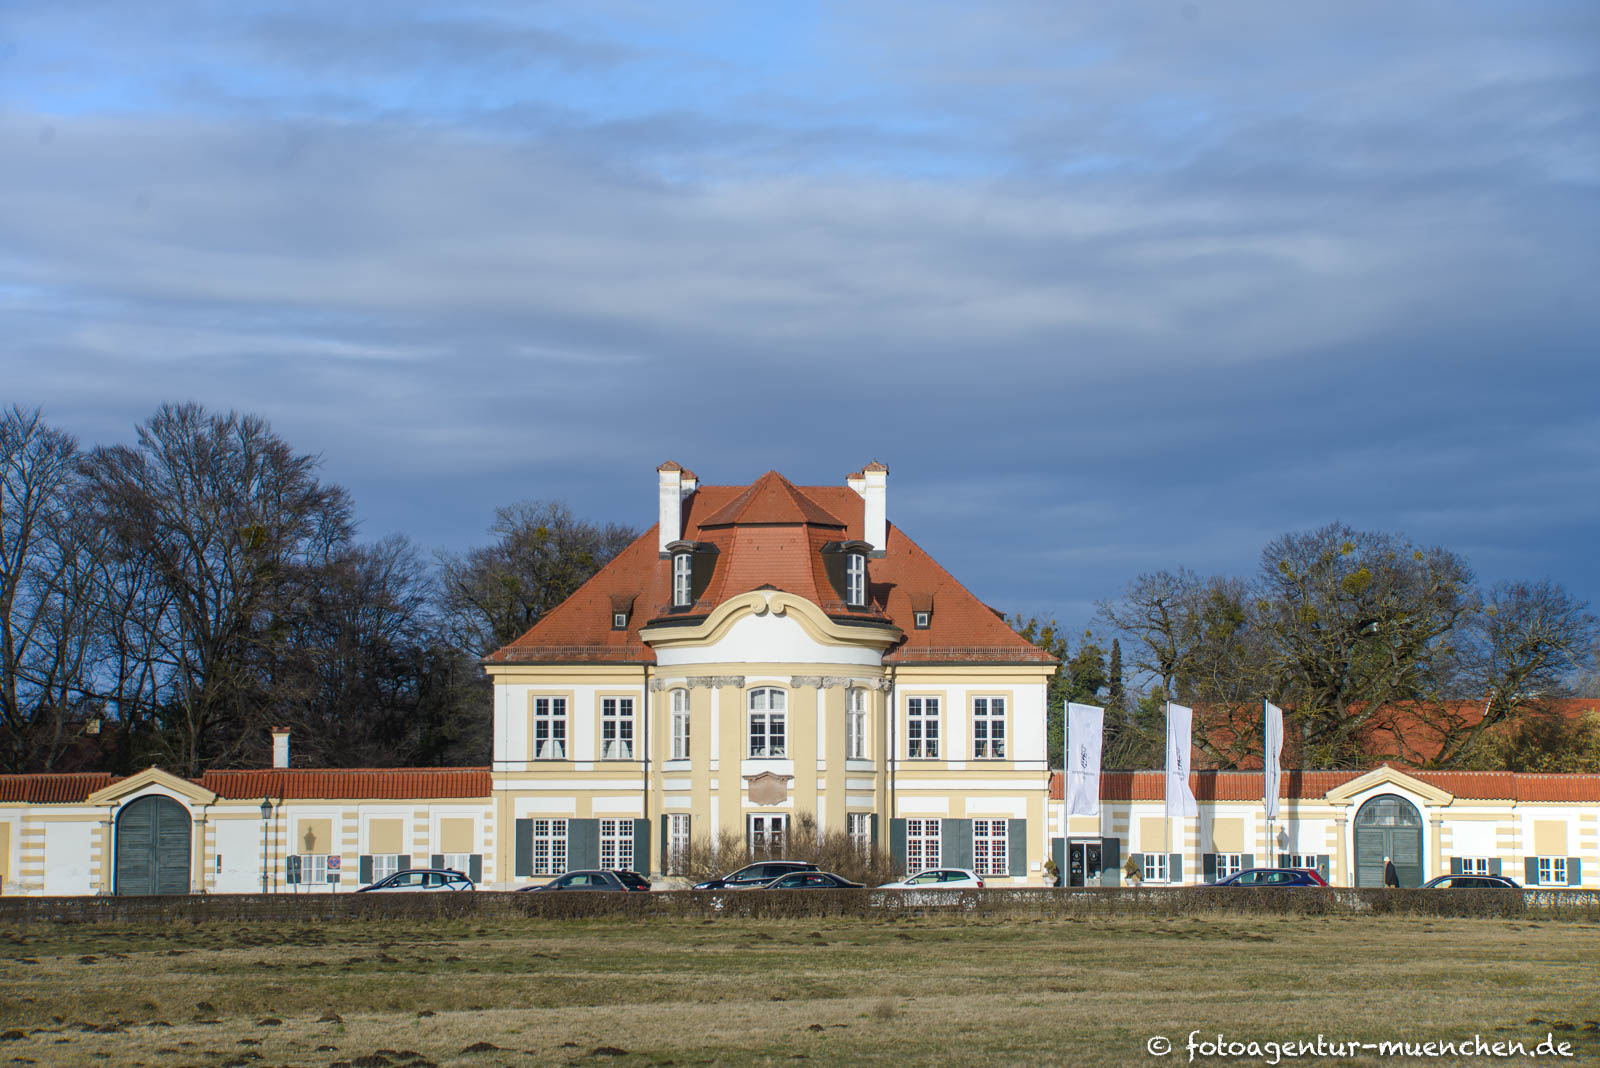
676,483
872,483
280,747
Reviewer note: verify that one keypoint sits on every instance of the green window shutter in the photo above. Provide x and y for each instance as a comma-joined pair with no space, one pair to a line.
1248,860
1494,865
405,861
955,843
1174,867
1283,860
1530,870
1110,862
1017,846
1137,860
435,860
1455,865
1208,867
749,835
583,844
1058,853
366,867
475,868
872,831
641,848
897,844
291,873
665,844
1573,875
524,848
1323,868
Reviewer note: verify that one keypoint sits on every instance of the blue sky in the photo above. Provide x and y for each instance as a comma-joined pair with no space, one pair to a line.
1110,288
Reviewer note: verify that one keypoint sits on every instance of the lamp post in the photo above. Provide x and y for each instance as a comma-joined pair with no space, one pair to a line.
266,863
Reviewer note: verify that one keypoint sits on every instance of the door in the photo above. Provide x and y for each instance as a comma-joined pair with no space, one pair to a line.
152,847
238,861
1388,826
1083,864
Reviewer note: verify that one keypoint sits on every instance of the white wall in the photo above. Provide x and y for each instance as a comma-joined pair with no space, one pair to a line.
765,639
66,857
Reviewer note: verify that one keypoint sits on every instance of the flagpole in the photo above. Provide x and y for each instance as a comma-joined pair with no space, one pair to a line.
1166,788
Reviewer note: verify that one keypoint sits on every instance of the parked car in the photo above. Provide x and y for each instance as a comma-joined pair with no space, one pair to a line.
811,880
1471,882
1274,877
421,879
595,879
760,873
939,879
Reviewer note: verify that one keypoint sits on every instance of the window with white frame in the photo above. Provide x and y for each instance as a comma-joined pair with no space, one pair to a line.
677,842
922,845
1155,867
855,579
549,847
616,728
313,867
989,842
682,575
1228,864
549,728
855,724
1552,871
616,844
1474,865
384,865
922,728
461,862
767,833
1302,860
988,728
680,724
768,723
858,825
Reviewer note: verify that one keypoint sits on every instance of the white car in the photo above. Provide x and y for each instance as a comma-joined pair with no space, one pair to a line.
938,879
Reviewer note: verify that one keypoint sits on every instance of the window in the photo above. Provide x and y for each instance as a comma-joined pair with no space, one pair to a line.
384,865
767,723
682,575
549,847
855,579
680,724
922,727
767,833
988,728
616,844
1155,867
313,867
920,620
461,862
922,845
619,621
1230,864
549,728
616,728
1304,860
1474,865
677,842
855,724
1552,871
989,847
858,825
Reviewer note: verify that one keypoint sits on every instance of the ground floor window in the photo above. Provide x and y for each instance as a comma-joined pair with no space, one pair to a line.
989,847
384,865
922,845
767,833
461,862
616,844
1552,871
677,842
549,847
859,826
313,867
1474,865
1228,864
1155,867
1302,860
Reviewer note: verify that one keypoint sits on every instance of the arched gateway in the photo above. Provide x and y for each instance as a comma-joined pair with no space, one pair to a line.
152,847
1388,826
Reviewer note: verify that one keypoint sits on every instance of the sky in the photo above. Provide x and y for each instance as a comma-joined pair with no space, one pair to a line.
1110,288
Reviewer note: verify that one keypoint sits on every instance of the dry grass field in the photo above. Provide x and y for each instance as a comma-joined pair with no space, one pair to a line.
956,991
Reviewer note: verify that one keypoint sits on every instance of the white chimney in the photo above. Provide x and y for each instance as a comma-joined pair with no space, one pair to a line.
872,483
676,483
280,747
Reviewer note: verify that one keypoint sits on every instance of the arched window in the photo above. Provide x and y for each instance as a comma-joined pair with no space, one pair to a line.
768,737
680,724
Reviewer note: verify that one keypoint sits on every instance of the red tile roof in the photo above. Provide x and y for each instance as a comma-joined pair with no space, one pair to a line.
1312,785
53,788
770,535
349,783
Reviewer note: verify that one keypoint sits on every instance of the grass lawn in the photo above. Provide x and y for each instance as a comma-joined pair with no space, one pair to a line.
839,991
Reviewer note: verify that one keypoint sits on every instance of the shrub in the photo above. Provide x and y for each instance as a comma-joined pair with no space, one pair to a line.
829,850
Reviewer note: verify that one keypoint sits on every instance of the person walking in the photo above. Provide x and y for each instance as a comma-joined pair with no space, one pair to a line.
1391,877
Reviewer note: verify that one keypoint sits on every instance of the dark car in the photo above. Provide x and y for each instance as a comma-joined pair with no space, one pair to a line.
595,879
421,879
760,873
1274,877
1471,882
811,880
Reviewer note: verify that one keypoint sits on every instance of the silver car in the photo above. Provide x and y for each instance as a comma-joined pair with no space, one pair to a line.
421,879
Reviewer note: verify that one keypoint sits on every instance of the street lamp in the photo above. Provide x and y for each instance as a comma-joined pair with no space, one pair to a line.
266,863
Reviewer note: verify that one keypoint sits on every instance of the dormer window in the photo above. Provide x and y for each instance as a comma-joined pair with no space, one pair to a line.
621,611
855,580
682,580
619,621
921,620
921,610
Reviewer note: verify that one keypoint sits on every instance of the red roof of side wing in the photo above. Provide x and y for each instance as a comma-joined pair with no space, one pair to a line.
1310,785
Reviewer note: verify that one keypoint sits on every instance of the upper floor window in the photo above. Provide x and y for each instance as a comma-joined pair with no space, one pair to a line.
682,580
988,728
680,724
922,727
616,728
549,728
855,724
855,580
767,723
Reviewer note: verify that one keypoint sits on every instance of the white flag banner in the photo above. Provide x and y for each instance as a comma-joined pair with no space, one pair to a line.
1180,800
1084,723
1269,759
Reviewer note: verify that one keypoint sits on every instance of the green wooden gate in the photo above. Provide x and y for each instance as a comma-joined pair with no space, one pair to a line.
1388,826
152,847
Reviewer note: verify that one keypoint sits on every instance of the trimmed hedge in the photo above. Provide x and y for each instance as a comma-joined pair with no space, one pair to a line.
1045,902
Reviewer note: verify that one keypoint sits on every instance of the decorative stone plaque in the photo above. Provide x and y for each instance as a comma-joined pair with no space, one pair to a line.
768,788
